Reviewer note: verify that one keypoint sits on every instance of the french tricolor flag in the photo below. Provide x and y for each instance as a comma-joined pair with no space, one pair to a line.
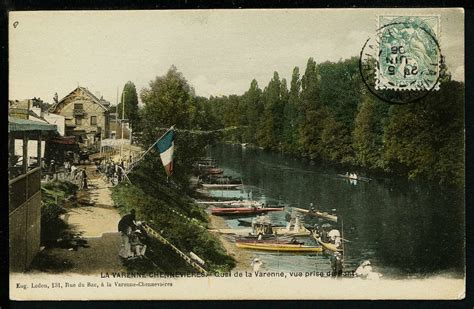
166,148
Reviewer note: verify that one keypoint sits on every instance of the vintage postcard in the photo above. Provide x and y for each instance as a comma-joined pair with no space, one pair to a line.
236,154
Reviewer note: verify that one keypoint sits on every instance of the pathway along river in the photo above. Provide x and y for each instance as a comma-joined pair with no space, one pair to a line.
405,229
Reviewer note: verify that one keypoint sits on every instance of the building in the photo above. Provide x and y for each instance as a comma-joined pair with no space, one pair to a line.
86,116
24,207
116,128
34,109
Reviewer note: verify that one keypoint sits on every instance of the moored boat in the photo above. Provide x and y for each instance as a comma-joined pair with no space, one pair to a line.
215,171
288,247
294,231
247,203
219,186
269,240
328,245
320,214
242,210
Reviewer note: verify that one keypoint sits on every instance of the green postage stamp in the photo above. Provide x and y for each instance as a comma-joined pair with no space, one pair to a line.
409,54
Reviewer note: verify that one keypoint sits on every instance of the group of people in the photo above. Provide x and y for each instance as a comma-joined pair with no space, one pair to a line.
114,172
134,237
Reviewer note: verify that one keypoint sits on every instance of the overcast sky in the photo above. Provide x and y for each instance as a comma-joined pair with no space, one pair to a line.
218,51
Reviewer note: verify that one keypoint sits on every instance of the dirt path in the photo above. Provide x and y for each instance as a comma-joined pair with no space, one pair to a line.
95,243
93,221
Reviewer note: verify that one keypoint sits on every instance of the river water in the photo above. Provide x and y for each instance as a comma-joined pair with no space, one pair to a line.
406,229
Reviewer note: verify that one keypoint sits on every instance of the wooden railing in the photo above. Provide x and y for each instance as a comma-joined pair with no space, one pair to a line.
184,256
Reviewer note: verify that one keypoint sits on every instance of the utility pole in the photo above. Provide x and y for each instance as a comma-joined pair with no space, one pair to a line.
121,124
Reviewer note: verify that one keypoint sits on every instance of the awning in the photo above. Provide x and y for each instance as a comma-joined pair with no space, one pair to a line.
18,125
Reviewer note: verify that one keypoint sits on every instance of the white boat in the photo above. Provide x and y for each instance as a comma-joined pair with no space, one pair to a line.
220,186
246,203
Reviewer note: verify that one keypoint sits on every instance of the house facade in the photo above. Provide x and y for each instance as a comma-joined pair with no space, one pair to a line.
86,116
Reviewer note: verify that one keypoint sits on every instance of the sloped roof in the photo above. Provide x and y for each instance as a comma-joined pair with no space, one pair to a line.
17,124
87,92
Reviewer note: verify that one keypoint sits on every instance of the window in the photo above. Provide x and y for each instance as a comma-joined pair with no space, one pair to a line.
93,120
78,106
78,121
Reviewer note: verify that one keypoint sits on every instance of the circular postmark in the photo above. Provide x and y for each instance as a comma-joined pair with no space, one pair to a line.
402,63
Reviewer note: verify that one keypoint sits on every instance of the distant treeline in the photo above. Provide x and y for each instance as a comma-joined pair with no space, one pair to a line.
327,114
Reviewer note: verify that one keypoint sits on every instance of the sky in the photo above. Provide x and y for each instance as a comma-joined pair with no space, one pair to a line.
219,52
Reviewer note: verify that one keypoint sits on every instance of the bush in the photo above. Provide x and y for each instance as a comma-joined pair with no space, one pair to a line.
53,193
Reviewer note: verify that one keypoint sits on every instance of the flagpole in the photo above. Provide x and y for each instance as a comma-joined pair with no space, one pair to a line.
150,148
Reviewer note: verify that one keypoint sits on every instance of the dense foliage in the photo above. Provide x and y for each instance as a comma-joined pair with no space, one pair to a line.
52,195
328,115
169,101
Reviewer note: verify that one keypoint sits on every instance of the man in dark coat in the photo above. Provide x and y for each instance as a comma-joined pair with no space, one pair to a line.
125,226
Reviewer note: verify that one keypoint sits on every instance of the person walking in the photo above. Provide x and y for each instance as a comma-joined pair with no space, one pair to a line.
84,180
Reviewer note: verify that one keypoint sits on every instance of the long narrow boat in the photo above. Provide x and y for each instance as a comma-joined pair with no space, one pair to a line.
354,178
219,186
282,230
248,222
320,214
242,210
327,245
278,247
215,171
269,240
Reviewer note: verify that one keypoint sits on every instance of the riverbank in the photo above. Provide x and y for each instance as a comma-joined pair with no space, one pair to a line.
243,258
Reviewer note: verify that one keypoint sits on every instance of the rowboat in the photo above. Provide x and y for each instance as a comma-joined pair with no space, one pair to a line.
320,214
327,245
242,210
269,240
300,231
278,247
219,186
354,177
215,171
247,222
246,203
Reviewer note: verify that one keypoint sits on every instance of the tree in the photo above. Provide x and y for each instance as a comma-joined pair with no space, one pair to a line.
364,141
129,96
426,138
168,101
312,112
290,114
270,125
252,100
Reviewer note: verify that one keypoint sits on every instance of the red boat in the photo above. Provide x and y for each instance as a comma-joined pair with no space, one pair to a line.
215,171
242,210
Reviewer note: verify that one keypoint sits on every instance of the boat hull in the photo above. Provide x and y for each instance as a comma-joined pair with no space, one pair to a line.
220,186
278,247
318,214
241,211
328,246
283,231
